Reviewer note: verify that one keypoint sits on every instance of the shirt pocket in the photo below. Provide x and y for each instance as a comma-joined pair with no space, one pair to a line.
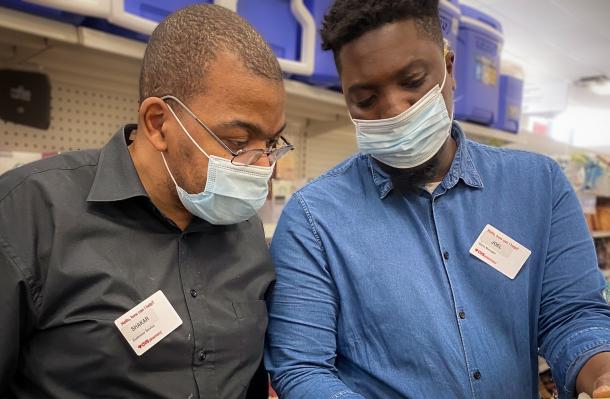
252,319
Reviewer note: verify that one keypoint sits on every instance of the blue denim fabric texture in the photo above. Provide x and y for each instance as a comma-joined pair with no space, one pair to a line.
378,297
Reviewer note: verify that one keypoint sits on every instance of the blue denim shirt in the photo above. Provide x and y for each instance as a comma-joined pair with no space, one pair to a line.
377,295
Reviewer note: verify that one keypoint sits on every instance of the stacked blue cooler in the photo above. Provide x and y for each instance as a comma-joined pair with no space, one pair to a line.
511,98
43,11
281,33
137,18
274,19
449,12
480,42
325,72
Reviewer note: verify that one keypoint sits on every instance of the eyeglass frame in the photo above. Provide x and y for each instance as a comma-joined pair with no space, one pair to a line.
263,152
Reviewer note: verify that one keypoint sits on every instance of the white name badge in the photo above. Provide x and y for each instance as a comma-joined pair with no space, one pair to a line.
148,323
500,251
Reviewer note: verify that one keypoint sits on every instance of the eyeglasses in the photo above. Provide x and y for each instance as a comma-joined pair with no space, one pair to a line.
244,157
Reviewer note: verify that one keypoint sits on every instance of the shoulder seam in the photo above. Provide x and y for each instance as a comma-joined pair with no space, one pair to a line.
25,178
310,220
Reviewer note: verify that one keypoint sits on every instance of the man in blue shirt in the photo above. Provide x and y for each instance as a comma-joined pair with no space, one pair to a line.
429,265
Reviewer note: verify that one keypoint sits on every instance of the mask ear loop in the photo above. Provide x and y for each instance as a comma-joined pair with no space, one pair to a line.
186,131
168,171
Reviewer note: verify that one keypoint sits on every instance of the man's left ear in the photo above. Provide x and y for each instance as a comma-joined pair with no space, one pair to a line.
449,62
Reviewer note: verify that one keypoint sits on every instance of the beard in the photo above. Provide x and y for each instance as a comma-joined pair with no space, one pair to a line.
410,181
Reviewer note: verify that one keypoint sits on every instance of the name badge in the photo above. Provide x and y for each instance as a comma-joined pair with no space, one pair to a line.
148,323
500,251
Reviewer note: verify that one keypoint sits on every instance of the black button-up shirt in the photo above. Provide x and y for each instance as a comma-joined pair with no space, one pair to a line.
81,244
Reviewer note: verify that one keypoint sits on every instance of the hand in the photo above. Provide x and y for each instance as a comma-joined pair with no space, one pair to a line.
602,386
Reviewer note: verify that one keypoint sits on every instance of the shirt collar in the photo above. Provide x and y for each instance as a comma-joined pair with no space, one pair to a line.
462,167
116,177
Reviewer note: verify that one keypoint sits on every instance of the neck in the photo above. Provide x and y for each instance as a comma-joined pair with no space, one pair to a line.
446,156
159,187
411,180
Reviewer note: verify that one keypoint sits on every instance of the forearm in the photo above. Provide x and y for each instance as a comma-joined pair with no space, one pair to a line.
593,369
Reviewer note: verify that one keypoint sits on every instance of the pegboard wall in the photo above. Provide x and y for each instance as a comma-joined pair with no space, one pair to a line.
81,118
93,93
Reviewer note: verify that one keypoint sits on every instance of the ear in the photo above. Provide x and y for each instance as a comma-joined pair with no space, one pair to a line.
153,118
449,62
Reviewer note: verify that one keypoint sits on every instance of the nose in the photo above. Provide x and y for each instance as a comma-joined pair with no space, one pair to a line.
260,145
394,103
262,161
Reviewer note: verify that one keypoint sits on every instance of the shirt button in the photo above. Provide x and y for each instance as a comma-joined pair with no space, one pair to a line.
193,293
446,255
202,356
476,375
462,315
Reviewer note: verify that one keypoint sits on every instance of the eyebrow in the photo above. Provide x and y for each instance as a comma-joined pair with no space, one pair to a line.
400,73
251,127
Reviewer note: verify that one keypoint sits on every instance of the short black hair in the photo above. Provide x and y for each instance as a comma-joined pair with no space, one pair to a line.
347,20
184,45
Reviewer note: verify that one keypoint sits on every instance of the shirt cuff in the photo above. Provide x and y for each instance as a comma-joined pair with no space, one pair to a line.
579,348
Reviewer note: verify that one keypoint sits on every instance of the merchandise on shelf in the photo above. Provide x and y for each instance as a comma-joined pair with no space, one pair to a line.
511,98
449,13
480,42
50,12
325,72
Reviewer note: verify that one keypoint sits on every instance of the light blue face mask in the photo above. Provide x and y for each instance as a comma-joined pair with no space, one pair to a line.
411,138
232,193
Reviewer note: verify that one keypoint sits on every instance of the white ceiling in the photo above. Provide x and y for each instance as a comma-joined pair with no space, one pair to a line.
556,40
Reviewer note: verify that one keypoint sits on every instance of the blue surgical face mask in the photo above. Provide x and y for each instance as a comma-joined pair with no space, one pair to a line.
232,193
411,138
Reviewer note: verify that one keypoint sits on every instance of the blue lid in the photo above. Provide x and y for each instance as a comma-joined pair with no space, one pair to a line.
449,3
480,16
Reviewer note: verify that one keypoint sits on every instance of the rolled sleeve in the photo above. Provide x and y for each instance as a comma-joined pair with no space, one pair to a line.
574,320
303,308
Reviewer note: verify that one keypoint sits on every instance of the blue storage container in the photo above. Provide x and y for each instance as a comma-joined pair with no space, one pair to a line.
449,12
325,71
89,8
274,20
143,16
42,11
480,42
287,26
511,99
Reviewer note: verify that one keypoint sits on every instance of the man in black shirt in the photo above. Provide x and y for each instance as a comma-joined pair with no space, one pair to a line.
140,270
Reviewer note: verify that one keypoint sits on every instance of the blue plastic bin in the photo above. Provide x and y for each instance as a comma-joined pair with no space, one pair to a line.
42,11
274,20
142,16
325,71
510,102
480,42
449,12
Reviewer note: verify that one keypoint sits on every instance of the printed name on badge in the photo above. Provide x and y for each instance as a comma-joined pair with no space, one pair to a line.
148,323
500,251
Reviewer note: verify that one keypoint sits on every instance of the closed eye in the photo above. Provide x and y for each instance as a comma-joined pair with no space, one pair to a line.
367,102
236,145
413,84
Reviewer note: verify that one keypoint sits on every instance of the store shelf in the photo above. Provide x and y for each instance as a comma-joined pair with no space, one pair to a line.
112,44
31,24
491,136
600,234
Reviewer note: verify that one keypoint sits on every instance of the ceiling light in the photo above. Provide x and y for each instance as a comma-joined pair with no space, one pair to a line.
599,84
